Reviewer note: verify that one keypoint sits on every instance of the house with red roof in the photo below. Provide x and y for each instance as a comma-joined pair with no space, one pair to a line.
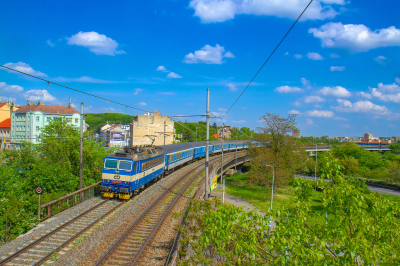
5,127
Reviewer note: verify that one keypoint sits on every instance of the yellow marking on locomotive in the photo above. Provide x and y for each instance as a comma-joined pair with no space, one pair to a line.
124,196
108,194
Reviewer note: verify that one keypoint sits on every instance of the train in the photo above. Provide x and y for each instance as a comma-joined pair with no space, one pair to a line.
130,169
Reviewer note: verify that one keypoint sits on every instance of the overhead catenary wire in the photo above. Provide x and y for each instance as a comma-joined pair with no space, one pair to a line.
268,58
90,94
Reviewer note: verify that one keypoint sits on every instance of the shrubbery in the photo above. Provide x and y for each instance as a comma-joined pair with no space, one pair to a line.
52,164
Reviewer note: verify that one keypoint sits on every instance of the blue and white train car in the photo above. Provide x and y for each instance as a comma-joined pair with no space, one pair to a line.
124,172
177,154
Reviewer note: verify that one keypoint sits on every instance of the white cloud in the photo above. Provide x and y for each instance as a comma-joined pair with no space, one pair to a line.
240,122
190,104
393,126
229,55
337,91
23,67
288,89
208,55
313,99
298,56
97,43
294,112
142,104
222,10
397,80
173,75
108,110
365,95
340,118
309,121
337,68
84,79
382,60
345,126
50,43
162,68
319,113
43,95
222,109
167,93
360,107
355,38
314,56
334,55
305,82
286,53
297,103
387,93
10,88
137,91
232,86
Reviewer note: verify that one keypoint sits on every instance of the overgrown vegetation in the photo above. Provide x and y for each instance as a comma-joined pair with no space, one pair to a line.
356,227
53,164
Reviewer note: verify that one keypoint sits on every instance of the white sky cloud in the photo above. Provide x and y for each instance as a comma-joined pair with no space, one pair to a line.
288,89
397,80
386,93
167,93
173,75
337,68
240,122
97,43
294,112
137,91
313,99
50,43
382,60
340,118
319,113
43,95
333,55
21,66
162,68
4,88
314,56
309,121
222,10
360,107
142,104
232,86
337,91
85,79
365,95
345,126
355,38
208,55
297,103
298,56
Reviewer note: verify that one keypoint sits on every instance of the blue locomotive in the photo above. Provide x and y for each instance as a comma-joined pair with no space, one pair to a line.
128,170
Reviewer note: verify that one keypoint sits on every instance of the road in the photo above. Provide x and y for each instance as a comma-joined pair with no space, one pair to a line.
387,191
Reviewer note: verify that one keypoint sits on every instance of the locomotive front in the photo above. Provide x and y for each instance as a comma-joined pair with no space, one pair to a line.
123,173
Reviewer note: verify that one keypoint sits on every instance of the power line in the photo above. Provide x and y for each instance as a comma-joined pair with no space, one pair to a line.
268,57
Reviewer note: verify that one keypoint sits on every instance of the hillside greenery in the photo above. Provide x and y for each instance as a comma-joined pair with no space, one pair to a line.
97,120
52,164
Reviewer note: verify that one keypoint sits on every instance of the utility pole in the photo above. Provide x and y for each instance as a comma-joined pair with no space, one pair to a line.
236,150
81,153
164,130
196,134
207,139
222,154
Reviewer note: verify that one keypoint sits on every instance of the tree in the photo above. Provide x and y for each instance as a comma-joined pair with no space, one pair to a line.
280,150
214,125
354,227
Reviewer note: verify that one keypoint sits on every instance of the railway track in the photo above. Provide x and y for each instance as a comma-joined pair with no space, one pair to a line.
39,251
129,247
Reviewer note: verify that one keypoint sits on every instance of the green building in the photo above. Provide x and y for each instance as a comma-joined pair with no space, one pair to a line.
27,121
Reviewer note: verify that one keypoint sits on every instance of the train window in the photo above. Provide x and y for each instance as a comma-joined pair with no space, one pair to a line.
125,165
111,164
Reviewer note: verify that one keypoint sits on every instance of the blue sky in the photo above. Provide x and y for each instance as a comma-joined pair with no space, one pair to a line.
338,68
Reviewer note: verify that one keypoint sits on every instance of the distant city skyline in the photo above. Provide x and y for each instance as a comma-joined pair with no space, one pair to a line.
338,69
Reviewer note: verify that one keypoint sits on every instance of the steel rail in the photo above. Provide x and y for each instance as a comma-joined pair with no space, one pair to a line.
58,229
101,260
78,234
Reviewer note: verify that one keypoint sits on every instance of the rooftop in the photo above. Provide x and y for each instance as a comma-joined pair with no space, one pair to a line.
53,109
5,123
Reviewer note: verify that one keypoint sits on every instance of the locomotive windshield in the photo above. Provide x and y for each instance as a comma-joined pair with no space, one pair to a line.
125,165
111,164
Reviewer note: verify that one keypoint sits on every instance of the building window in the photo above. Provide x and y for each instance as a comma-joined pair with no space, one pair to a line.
76,120
38,118
28,128
37,128
47,119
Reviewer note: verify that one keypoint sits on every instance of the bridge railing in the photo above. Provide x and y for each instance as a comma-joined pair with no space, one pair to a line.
58,205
